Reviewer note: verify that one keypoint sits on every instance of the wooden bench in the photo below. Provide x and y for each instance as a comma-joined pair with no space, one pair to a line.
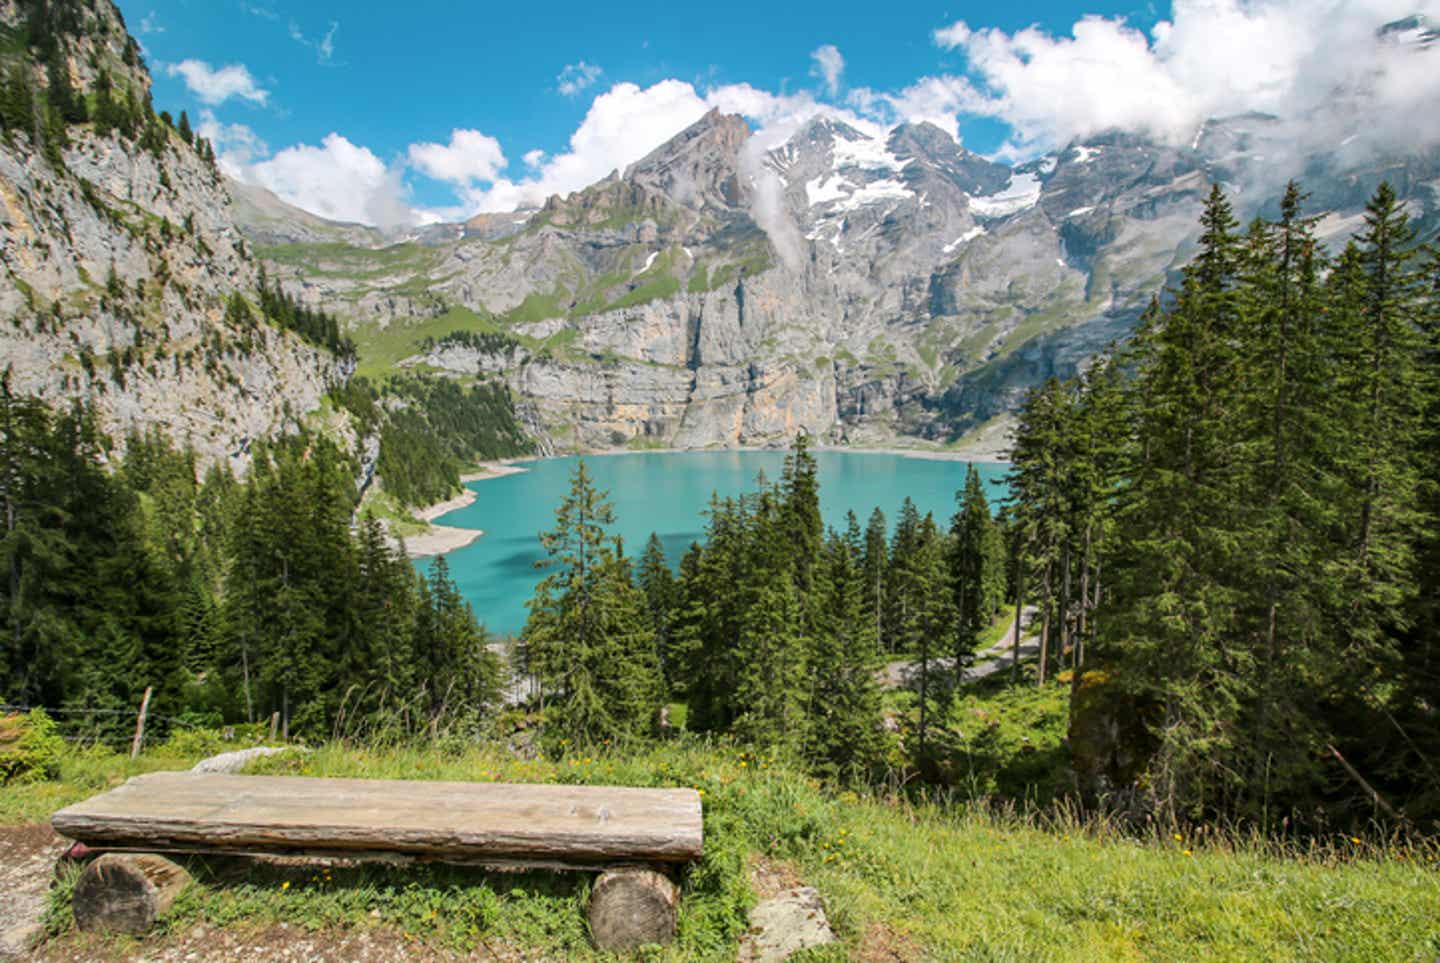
630,835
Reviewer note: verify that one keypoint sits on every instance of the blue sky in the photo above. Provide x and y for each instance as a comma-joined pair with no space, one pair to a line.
387,112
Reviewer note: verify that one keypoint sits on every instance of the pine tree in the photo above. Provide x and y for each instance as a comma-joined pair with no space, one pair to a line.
186,134
661,590
844,703
874,564
60,92
898,596
107,112
17,107
589,638
927,617
975,556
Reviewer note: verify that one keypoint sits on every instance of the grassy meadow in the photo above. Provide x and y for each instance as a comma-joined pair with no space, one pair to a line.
902,877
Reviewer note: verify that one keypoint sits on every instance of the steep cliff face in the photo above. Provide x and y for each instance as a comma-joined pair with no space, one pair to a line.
867,286
119,252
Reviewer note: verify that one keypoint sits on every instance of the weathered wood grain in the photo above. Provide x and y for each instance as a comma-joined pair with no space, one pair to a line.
467,822
632,907
125,894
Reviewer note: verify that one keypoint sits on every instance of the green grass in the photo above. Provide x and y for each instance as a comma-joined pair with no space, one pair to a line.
382,504
381,349
641,443
940,881
535,307
340,260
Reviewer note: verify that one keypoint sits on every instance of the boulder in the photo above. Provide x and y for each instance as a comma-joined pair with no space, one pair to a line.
790,922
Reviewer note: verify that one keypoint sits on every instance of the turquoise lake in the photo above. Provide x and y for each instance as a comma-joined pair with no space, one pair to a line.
666,493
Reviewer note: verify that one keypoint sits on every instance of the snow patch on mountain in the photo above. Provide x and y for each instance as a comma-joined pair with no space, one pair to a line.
866,153
822,191
965,238
879,191
1022,192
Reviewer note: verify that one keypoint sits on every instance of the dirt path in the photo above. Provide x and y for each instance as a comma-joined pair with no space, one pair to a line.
906,672
27,868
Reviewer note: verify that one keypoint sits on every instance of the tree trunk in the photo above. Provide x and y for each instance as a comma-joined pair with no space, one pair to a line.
1067,637
1045,624
126,892
1084,602
632,907
1019,613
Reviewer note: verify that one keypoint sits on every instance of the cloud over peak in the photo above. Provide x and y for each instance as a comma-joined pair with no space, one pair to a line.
1318,63
828,66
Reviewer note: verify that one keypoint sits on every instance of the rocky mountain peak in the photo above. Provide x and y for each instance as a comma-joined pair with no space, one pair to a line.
697,167
935,150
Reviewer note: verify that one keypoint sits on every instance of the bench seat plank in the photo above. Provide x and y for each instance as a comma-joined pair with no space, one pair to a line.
465,822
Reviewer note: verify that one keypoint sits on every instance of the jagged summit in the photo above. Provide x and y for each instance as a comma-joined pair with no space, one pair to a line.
698,167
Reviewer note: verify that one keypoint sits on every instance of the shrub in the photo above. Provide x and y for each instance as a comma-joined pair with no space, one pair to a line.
30,747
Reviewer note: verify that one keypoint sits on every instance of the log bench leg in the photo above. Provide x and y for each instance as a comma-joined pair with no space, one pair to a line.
631,906
125,892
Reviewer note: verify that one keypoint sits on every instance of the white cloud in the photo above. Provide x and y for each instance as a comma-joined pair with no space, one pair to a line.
576,77
938,100
148,24
1316,64
215,86
324,47
236,145
337,180
469,157
829,65
622,125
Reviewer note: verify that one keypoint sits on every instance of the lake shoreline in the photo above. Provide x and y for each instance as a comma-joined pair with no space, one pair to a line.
979,455
443,539
496,572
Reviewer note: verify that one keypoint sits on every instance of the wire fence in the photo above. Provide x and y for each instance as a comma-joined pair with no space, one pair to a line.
81,737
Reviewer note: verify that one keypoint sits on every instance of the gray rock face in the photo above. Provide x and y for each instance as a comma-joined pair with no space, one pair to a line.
781,927
861,285
119,265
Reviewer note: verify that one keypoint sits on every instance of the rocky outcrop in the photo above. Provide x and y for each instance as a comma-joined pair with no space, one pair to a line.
118,263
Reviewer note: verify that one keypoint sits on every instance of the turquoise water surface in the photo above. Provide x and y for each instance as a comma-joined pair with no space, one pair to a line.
666,493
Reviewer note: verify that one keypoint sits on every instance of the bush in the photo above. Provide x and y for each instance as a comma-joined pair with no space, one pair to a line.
30,748
199,743
1008,744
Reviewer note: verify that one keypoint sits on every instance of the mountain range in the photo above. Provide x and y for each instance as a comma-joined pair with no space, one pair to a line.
869,286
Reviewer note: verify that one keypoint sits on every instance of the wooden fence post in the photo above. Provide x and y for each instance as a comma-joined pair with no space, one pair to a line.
139,739
274,725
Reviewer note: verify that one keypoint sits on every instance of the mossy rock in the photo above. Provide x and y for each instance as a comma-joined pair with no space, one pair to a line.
1111,744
